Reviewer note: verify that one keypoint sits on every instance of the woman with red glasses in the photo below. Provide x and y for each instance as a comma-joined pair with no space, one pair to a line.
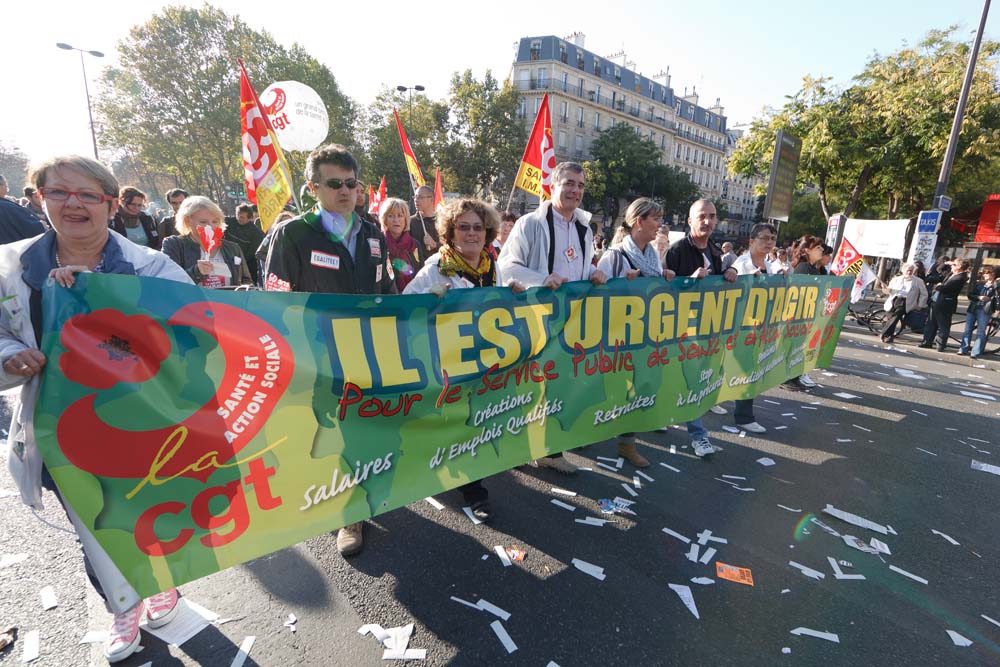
79,196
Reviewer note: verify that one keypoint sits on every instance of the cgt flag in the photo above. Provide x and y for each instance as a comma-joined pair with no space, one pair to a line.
264,163
539,158
375,199
416,177
846,256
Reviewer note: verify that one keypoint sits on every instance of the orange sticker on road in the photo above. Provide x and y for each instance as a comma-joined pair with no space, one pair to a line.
740,575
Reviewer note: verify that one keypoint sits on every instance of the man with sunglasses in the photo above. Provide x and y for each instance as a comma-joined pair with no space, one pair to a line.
422,223
331,249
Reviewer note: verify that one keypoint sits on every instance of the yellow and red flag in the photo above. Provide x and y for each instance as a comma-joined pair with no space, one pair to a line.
263,161
438,188
539,157
416,178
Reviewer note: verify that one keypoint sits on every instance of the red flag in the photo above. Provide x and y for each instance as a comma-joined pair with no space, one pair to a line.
438,188
416,177
263,161
375,199
846,255
539,158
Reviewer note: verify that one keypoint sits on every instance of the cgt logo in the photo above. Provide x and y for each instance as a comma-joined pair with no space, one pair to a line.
105,348
278,104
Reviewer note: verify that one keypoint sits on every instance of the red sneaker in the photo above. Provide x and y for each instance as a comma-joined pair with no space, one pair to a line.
162,608
123,639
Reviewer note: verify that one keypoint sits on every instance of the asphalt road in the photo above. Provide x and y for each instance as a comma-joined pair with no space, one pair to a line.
895,448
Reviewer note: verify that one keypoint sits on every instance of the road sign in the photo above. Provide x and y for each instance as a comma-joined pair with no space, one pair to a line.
942,203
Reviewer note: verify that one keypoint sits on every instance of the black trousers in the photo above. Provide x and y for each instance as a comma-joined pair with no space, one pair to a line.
897,313
939,324
473,492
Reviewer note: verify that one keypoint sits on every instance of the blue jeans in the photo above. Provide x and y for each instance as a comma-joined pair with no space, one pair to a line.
696,429
975,318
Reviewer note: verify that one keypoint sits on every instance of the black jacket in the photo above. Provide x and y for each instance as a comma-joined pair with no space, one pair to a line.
155,241
17,223
248,238
684,257
948,291
186,252
304,258
417,226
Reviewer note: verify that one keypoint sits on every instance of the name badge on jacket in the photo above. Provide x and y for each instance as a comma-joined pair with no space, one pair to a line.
375,247
324,260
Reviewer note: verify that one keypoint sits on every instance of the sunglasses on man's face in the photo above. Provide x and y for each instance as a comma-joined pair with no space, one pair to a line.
336,183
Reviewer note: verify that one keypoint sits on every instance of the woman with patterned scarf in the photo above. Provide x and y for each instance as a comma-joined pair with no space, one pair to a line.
466,228
394,216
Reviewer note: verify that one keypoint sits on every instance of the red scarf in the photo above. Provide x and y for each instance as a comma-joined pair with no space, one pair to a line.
404,251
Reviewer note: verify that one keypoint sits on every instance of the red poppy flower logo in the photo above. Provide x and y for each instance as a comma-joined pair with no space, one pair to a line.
106,347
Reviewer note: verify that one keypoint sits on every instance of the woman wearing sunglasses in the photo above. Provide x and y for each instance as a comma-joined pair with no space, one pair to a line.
79,196
466,228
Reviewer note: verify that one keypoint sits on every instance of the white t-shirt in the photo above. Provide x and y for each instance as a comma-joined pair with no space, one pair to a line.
568,258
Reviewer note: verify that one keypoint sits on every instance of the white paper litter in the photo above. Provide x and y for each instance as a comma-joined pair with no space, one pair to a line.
191,619
790,509
472,517
12,559
49,600
707,556
458,600
972,394
502,554
908,574
684,593
786,650
866,430
607,467
95,637
589,568
502,635
976,465
703,581
562,492
828,636
880,546
493,609
244,651
787,414
592,521
434,503
845,395
31,648
839,574
680,537
985,442
921,449
855,520
705,536
565,506
670,467
644,476
735,477
290,622
859,544
957,639
635,482
766,462
6,493
742,488
993,621
922,414
843,440
692,554
779,428
631,491
767,400
808,571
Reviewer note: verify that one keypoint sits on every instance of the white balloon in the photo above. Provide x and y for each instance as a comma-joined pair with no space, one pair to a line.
297,115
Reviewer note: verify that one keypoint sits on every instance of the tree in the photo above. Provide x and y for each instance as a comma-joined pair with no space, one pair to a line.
878,144
173,105
806,217
14,167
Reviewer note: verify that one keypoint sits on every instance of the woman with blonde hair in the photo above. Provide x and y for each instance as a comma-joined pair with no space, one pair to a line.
200,250
394,217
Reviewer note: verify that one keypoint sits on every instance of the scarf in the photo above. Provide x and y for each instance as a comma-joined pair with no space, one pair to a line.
451,263
647,262
402,253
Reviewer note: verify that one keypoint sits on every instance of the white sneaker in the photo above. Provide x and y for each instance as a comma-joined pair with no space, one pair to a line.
807,381
123,639
717,410
752,427
702,447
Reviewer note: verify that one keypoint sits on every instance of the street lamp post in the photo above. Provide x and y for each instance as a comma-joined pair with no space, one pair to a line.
86,87
409,95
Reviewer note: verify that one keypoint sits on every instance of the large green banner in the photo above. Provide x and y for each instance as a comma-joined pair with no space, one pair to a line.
194,429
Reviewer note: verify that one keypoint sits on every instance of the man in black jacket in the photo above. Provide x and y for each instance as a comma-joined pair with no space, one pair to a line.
17,223
168,226
331,249
422,223
945,304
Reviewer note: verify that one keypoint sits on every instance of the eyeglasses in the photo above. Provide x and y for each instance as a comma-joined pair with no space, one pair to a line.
336,183
84,197
470,227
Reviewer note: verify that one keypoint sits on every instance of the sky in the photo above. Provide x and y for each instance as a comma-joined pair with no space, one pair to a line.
750,54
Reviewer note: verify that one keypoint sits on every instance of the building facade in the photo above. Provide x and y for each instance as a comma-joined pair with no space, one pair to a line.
589,93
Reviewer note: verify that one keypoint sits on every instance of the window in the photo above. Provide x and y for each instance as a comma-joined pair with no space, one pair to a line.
535,52
579,59
562,52
618,75
597,66
522,108
597,121
578,145
579,116
663,142
678,155
687,153
543,77
598,91
580,88
538,104
562,141
564,111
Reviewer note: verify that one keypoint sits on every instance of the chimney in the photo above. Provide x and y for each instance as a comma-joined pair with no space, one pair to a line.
577,38
717,109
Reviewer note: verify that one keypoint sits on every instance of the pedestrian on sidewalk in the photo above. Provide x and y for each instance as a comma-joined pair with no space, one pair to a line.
945,300
984,300
907,293
80,195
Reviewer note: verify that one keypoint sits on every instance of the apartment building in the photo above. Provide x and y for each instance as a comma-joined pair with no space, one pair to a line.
589,93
